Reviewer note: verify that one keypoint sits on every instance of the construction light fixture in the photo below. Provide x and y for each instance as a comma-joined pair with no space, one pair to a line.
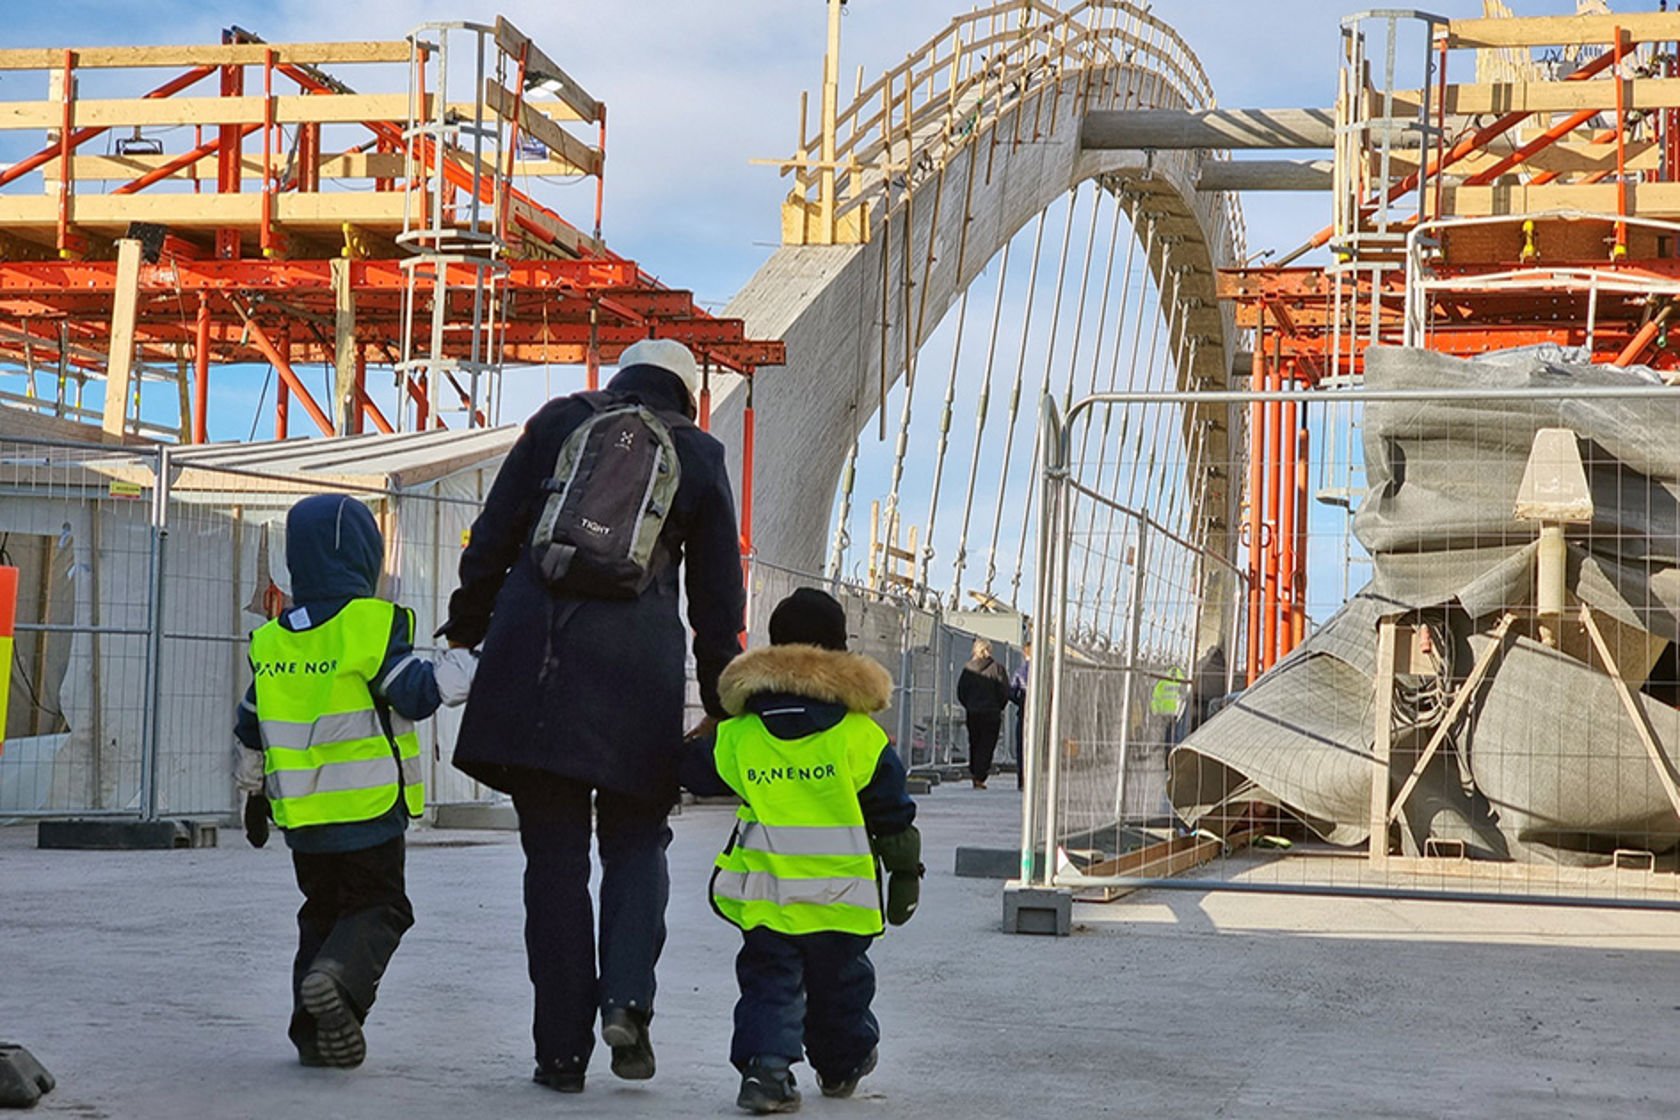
542,83
139,145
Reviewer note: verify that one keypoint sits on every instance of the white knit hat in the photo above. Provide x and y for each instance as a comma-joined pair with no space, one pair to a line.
669,355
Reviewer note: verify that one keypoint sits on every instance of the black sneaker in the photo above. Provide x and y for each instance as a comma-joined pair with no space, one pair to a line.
845,1086
562,1077
625,1030
338,1033
767,1087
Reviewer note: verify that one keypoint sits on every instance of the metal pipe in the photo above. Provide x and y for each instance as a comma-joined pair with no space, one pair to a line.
1050,427
1337,890
1273,466
1286,529
1303,510
1256,492
201,371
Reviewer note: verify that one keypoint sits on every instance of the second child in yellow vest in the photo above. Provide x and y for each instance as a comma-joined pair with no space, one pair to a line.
824,811
328,748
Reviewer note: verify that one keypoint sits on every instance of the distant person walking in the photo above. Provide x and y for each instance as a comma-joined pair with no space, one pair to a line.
1018,697
570,581
983,692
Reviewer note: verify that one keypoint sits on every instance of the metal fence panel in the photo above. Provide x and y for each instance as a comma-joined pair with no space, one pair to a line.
76,521
1440,721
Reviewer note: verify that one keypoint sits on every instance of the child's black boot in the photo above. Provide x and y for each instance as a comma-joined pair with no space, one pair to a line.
767,1086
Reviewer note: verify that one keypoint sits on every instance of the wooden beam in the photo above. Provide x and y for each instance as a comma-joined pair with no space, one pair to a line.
539,68
1486,98
111,213
1641,722
336,108
345,403
121,361
235,54
1557,31
556,139
1564,157
1651,200
344,165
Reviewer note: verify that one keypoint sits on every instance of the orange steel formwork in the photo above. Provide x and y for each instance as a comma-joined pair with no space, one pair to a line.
1555,221
285,230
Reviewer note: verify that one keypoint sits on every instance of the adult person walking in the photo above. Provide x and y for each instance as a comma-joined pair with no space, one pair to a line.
570,580
983,692
1018,696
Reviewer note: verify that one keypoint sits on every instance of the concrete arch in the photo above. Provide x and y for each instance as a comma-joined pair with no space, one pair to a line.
826,301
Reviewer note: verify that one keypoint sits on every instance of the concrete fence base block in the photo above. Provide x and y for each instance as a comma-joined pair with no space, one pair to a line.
23,1081
1042,910
476,815
918,787
126,836
991,863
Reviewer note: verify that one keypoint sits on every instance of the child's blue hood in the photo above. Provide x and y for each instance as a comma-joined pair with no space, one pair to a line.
333,549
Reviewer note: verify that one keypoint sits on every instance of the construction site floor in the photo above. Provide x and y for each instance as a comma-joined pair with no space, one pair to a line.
154,984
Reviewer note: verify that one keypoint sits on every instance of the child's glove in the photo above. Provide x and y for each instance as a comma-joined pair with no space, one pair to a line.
453,671
256,820
901,857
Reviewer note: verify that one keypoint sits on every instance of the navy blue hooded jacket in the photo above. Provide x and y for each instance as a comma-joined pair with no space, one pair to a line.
334,552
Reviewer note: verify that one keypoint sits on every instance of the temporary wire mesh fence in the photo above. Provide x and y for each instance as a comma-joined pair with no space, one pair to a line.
1491,710
920,646
138,601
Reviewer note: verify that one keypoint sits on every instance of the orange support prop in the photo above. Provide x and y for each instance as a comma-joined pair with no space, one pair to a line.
230,157
68,243
1256,487
8,622
747,472
1273,546
272,355
1620,52
1303,509
283,395
1286,529
201,371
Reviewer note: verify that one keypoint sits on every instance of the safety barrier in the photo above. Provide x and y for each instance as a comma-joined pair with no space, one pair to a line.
1482,700
143,571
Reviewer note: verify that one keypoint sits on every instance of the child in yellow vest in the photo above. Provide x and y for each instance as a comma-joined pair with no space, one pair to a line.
824,810
327,746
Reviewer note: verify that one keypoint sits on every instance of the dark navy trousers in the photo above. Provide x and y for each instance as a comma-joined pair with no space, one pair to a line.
805,995
560,935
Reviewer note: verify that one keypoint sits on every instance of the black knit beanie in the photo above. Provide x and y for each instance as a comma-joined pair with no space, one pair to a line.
809,617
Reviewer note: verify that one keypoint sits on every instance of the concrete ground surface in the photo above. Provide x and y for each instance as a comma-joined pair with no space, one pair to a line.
155,985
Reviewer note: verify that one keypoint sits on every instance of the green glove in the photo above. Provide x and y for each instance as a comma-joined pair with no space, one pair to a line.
901,856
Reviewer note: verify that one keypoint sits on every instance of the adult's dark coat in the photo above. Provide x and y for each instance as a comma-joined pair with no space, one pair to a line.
592,689
983,687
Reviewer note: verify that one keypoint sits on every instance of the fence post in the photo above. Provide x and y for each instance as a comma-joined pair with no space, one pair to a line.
1134,637
152,725
906,689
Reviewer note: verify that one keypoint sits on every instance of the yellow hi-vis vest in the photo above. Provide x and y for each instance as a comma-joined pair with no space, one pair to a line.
799,860
329,755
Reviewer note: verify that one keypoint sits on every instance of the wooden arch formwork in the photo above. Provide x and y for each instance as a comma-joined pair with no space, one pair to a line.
899,204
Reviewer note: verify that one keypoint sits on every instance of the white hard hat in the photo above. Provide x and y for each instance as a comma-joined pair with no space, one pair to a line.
669,355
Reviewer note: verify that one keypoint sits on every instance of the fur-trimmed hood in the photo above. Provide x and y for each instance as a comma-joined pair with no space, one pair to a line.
851,679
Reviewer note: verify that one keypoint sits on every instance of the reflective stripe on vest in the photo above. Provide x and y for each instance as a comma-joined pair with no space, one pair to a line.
328,756
799,860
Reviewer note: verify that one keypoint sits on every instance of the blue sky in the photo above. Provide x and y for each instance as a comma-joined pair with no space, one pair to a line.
695,90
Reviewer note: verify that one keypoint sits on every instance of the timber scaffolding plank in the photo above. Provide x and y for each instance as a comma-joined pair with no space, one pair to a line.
225,54
1561,31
